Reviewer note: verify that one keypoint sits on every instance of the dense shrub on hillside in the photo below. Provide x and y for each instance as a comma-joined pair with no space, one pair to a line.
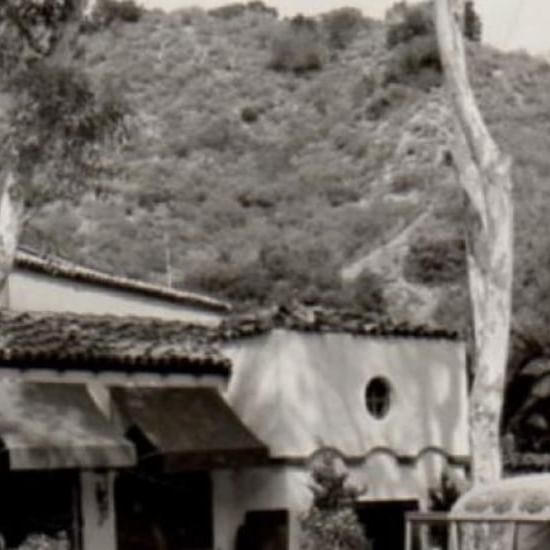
410,36
283,272
245,284
228,157
368,293
472,22
342,26
229,11
436,262
405,181
298,46
387,99
406,22
106,12
416,63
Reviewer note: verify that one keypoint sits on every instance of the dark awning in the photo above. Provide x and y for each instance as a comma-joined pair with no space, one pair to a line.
47,426
185,428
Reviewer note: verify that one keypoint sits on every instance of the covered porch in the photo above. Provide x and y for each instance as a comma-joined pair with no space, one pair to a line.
137,476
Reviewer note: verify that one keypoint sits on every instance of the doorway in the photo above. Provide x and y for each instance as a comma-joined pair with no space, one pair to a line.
384,522
39,503
263,530
164,511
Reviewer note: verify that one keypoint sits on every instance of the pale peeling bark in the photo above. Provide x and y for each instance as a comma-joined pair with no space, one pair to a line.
11,215
484,174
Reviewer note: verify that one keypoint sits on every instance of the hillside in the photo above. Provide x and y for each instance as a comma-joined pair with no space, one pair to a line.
329,184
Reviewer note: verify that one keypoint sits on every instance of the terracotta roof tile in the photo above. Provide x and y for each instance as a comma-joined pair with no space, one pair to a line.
58,267
109,342
317,319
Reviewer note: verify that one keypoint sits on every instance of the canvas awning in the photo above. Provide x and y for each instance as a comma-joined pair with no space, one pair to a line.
47,426
185,428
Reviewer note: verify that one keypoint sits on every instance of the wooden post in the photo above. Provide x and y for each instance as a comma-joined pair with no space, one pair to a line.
408,535
98,510
453,536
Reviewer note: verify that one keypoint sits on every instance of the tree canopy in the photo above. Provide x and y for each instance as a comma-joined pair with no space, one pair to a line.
54,117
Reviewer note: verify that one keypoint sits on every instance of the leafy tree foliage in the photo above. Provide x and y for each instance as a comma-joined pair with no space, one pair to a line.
472,22
38,24
56,118
56,121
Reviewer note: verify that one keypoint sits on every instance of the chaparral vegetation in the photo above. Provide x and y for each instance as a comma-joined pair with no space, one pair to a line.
307,159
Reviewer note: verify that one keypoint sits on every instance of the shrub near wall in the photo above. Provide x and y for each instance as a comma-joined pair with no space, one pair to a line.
331,522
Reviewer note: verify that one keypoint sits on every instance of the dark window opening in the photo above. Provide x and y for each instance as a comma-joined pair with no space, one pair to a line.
263,530
384,523
378,397
164,511
39,503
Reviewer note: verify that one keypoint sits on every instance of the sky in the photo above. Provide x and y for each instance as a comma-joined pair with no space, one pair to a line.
508,24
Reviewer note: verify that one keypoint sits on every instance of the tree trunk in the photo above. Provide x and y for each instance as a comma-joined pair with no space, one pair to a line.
484,174
11,215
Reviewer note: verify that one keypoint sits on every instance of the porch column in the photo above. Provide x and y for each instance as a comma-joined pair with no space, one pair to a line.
294,530
98,510
227,513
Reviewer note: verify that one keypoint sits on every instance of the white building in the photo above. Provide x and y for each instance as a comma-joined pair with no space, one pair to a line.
109,429
392,401
44,283
193,472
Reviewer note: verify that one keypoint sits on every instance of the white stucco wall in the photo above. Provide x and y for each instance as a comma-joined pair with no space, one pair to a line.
236,492
30,291
287,487
299,391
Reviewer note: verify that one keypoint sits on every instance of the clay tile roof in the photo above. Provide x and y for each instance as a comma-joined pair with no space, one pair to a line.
318,319
107,342
58,267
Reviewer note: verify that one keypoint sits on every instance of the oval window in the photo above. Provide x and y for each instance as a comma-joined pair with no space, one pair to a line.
378,397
